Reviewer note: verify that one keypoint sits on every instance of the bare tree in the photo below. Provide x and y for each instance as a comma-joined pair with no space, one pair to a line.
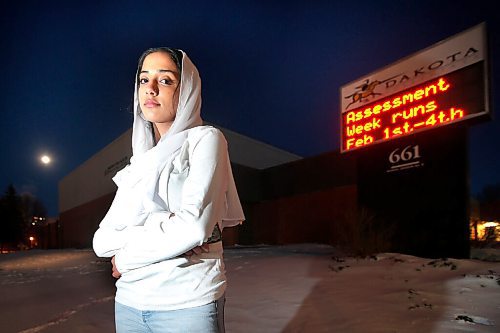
11,219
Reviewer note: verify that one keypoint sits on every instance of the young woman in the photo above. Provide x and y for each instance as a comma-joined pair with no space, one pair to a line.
163,229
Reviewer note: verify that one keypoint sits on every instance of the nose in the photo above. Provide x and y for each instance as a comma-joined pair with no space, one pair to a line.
152,88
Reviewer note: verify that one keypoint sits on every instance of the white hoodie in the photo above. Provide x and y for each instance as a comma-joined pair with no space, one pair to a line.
168,201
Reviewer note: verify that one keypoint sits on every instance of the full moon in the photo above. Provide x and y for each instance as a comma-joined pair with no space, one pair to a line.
45,159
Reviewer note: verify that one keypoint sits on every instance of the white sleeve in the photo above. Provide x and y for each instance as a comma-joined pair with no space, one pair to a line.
166,235
114,230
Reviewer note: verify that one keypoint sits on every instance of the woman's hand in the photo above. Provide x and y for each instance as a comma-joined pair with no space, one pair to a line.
116,274
197,250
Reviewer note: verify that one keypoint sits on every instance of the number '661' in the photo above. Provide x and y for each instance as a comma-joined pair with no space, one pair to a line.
408,153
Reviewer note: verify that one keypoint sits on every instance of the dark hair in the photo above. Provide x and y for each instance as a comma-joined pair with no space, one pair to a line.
175,54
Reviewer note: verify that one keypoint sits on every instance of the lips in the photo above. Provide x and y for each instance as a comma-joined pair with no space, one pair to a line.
151,103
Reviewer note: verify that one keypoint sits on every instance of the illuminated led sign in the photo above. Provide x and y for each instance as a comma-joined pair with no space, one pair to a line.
436,93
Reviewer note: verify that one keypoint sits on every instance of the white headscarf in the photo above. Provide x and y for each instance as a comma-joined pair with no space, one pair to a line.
187,116
149,160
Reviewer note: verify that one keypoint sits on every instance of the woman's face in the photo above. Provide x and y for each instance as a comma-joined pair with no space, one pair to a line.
158,93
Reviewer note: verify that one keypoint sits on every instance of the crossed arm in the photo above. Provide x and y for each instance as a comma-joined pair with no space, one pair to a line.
197,250
166,235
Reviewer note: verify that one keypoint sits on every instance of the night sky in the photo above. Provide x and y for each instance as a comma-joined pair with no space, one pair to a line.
270,70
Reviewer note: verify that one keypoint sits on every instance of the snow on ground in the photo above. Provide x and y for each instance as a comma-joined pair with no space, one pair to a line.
293,288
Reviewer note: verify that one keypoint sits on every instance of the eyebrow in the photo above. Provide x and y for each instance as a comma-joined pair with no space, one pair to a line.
160,71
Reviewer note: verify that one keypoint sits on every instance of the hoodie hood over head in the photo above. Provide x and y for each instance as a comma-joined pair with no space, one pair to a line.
187,116
149,159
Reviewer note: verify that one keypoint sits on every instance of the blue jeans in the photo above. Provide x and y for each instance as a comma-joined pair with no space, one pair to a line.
207,318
